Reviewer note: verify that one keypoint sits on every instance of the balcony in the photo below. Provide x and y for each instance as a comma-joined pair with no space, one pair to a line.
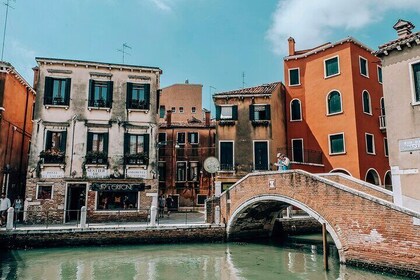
226,167
139,104
96,158
52,156
382,123
136,159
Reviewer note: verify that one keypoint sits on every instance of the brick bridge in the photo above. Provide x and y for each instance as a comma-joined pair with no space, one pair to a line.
367,228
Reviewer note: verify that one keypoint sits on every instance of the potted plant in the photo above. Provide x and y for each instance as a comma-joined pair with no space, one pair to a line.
96,157
52,156
138,158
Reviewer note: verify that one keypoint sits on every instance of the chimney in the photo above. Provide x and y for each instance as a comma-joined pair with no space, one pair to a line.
403,28
36,77
168,118
291,46
207,118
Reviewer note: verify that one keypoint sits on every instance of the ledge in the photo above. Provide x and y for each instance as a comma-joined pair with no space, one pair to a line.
47,106
99,108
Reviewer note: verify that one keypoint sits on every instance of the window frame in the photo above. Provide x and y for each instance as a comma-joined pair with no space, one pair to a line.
181,110
360,66
291,111
166,138
379,70
233,154
161,116
186,171
44,185
413,84
386,149
198,138
49,88
109,85
193,109
173,109
373,144
303,151
341,103
325,67
267,112
97,197
330,147
133,87
290,80
177,138
363,102
226,117
190,171
253,154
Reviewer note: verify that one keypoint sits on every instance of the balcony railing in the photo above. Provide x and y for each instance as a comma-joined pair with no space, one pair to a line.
96,158
302,156
226,167
58,100
52,156
136,159
382,123
139,104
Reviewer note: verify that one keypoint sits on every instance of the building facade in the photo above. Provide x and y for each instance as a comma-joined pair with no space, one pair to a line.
334,104
94,140
401,74
17,99
251,129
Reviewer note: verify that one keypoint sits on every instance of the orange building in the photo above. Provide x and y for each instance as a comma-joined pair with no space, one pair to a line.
16,104
334,104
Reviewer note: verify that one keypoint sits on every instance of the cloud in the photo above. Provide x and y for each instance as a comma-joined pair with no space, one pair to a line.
163,5
22,58
311,22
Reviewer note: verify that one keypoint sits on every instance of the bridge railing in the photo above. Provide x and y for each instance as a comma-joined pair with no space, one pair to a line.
302,156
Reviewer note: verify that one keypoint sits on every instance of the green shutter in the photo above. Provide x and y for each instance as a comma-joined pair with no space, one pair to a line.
218,110
146,143
129,95
106,141
91,93
68,89
48,90
331,66
110,87
89,142
251,112
126,143
147,95
48,140
235,112
158,92
267,112
63,141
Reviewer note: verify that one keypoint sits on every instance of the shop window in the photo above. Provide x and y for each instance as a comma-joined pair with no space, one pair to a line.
162,111
57,91
117,200
138,96
44,192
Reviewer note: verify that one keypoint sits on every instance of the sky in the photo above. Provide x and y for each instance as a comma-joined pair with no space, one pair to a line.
221,44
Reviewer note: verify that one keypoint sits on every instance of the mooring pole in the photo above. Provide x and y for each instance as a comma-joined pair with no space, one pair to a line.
325,246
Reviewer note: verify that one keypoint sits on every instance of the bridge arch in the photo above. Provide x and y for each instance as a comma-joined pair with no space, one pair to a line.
291,201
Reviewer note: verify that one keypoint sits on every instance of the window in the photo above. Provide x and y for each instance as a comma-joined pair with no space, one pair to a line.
332,67
382,104
297,150
226,155
97,148
57,91
337,144
44,192
136,148
100,94
261,155
380,74
294,77
193,137
227,112
367,108
173,109
201,199
259,112
138,96
416,78
162,138
162,171
181,171
386,147
117,200
334,103
363,64
370,143
181,109
193,174
162,111
180,138
55,147
193,110
295,110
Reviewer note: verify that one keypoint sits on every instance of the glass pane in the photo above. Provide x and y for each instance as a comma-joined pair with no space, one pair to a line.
366,102
117,200
226,155
416,72
331,66
363,66
380,74
337,143
334,102
55,141
294,77
296,110
133,144
140,144
162,111
369,144
226,112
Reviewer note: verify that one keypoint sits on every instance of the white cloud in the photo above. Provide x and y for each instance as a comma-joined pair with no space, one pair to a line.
163,5
311,22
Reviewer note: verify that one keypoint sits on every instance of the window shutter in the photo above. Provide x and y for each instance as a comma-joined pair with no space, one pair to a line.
48,140
218,110
48,90
267,112
416,77
235,112
146,143
110,87
129,95
91,93
89,142
189,137
68,89
126,143
147,95
106,141
158,92
63,141
251,112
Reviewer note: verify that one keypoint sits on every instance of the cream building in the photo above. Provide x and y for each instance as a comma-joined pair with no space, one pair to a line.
401,82
93,140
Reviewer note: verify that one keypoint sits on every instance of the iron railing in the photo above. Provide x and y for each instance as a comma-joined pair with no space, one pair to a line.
302,156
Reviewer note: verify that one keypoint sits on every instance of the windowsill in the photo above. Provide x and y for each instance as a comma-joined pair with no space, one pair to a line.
227,122
138,110
297,85
99,108
226,171
334,114
260,122
332,76
47,106
104,165
308,163
296,120
131,165
417,103
369,114
338,154
371,154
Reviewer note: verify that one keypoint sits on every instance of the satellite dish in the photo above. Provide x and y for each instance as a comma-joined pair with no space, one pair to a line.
211,165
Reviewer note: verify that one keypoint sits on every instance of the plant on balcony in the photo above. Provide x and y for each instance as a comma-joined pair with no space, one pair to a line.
260,122
138,158
96,157
52,156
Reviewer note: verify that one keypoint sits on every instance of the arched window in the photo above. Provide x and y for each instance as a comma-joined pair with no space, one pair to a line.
334,103
388,181
372,177
382,107
295,110
367,108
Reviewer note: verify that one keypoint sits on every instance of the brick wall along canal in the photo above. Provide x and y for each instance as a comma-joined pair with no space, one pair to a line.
184,261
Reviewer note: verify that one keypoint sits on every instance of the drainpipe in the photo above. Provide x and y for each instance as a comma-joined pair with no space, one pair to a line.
23,139
74,119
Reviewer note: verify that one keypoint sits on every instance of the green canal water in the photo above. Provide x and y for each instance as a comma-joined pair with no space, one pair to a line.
184,261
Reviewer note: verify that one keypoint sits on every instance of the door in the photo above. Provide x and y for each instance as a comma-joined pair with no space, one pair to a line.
261,155
76,198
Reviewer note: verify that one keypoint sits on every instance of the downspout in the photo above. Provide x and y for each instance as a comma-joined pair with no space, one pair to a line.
23,138
74,118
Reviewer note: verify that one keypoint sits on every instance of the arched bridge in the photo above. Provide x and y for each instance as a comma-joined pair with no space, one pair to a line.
367,228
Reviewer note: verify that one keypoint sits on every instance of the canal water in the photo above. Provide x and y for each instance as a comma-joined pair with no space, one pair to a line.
184,261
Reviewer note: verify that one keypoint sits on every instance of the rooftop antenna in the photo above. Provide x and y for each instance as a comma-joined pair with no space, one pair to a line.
123,50
243,79
7,4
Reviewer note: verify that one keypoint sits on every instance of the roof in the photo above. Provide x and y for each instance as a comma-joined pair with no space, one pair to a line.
257,90
187,125
11,70
93,63
399,43
323,47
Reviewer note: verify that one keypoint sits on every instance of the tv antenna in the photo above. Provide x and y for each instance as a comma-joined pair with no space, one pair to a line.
210,97
7,4
124,46
243,79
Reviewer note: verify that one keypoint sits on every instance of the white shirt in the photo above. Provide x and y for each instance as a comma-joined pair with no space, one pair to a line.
4,204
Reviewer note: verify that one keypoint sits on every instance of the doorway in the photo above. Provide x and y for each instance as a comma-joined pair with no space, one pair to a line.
76,198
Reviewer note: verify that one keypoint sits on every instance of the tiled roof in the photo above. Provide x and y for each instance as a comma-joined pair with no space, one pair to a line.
399,43
261,89
187,125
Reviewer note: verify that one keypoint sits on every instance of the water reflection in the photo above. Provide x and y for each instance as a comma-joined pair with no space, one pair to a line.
198,261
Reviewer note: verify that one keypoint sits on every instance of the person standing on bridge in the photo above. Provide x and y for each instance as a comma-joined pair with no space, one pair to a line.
283,162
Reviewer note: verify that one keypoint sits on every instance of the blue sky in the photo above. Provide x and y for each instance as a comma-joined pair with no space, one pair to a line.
209,42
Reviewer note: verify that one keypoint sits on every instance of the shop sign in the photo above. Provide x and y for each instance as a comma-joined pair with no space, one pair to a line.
118,187
52,174
97,172
136,173
408,145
